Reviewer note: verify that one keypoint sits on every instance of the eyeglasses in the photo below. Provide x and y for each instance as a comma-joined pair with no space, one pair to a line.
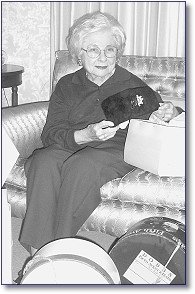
94,51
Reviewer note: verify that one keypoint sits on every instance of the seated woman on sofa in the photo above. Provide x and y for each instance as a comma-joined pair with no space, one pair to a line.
82,149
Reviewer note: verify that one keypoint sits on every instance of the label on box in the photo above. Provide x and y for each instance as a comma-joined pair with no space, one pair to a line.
147,270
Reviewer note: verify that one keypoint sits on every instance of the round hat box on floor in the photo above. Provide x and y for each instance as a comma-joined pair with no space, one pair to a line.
71,261
151,252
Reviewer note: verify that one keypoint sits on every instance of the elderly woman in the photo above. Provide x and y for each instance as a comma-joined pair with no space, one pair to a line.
82,150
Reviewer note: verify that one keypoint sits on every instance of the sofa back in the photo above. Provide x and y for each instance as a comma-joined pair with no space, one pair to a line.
166,75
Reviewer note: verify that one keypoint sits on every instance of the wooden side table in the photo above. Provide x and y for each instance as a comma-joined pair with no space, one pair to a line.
12,78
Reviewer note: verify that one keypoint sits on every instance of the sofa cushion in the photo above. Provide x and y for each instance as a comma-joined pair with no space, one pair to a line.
109,191
166,75
137,186
63,65
17,200
143,187
17,176
115,217
151,66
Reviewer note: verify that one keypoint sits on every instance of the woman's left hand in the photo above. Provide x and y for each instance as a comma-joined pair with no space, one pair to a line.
166,111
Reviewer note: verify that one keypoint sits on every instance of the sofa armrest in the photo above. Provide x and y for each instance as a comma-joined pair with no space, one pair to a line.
24,124
143,187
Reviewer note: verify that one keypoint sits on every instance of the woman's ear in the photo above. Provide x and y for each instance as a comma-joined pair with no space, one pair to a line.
118,59
80,62
79,59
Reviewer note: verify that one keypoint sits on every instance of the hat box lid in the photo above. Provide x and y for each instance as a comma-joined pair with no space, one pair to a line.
151,252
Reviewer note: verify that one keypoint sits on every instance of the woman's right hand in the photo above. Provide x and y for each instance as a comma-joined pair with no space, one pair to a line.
101,131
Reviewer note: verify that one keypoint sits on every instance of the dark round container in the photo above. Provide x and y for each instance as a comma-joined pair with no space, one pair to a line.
151,252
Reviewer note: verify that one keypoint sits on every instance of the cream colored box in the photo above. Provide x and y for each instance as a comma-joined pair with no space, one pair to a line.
159,149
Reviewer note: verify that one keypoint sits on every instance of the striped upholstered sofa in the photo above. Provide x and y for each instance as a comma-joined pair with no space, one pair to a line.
125,201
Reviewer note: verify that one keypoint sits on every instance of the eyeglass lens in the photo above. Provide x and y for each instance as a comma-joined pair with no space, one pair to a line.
93,52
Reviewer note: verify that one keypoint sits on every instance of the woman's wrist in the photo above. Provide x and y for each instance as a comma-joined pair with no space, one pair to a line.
82,136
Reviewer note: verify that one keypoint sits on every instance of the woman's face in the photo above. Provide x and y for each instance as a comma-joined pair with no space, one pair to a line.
100,66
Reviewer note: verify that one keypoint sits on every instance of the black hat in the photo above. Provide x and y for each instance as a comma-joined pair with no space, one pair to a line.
130,103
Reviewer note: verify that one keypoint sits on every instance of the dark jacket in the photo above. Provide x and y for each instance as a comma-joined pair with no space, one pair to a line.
76,103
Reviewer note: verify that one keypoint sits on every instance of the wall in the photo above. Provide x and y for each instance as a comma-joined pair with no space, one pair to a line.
26,35
26,40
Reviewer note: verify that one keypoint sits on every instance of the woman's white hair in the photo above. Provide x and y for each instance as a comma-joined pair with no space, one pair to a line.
93,22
